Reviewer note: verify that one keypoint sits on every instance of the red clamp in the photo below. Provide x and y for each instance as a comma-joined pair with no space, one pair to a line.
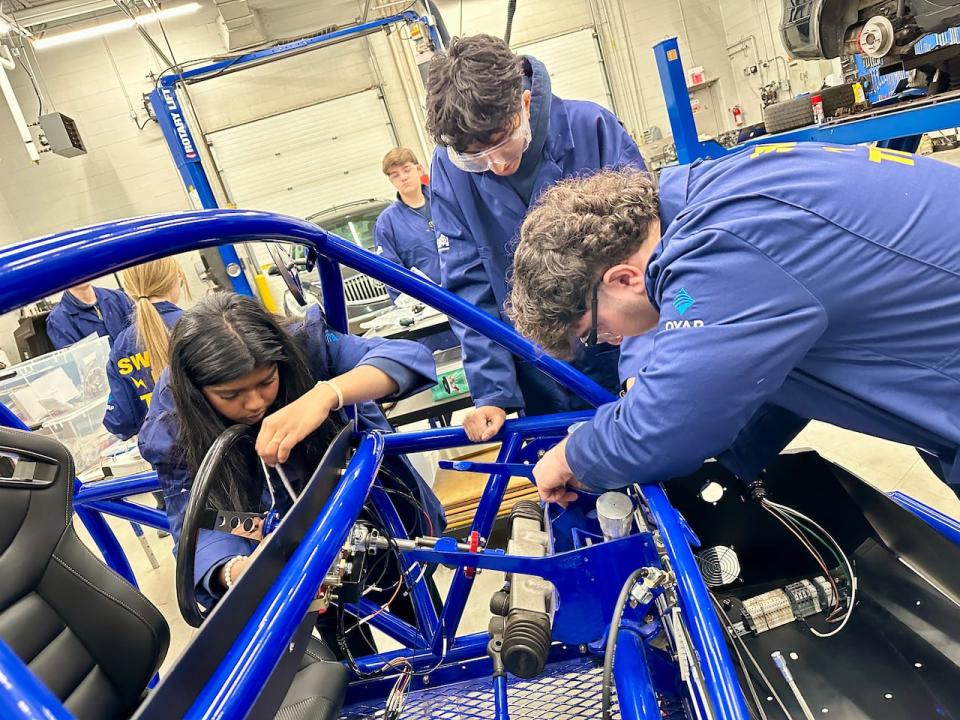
474,539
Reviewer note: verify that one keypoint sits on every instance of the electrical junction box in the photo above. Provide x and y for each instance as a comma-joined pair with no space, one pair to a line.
62,135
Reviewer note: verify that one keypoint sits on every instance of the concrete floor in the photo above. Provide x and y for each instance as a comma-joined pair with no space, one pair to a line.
886,465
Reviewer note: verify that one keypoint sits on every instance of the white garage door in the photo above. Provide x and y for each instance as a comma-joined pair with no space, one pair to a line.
305,161
575,65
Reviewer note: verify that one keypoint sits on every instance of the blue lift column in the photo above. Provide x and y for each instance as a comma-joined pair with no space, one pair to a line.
180,141
674,82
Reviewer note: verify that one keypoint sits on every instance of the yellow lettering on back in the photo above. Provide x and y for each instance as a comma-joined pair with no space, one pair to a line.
772,148
141,360
134,362
146,398
879,155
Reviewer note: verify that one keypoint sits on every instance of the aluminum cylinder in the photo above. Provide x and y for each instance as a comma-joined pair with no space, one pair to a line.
615,513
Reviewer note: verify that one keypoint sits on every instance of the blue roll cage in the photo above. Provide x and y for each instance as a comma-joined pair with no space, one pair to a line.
41,267
586,578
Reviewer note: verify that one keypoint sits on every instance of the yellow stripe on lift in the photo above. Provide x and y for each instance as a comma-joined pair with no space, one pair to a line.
266,297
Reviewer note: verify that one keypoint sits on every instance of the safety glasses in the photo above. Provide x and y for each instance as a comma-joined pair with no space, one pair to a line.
503,154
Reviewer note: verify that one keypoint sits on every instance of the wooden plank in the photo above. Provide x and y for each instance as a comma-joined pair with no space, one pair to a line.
460,492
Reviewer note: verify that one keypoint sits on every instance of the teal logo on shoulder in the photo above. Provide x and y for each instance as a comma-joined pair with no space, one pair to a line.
683,301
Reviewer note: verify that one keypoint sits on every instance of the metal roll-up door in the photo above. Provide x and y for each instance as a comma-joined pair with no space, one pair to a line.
304,161
575,65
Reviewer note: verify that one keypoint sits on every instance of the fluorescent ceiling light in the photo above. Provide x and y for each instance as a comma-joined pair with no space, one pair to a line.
112,27
4,27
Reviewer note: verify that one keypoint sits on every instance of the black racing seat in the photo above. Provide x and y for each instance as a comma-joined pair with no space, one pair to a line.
89,636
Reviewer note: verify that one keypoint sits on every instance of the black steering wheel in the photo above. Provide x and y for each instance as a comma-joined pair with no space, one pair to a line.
287,267
199,516
278,547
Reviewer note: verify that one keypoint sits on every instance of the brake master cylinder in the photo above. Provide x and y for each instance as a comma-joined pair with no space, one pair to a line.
615,515
523,609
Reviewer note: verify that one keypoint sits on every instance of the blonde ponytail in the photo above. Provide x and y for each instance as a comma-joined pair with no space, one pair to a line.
152,279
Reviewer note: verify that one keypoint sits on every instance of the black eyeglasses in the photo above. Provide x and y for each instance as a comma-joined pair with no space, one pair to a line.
591,339
595,337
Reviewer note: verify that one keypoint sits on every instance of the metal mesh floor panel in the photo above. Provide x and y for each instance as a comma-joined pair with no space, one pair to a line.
566,691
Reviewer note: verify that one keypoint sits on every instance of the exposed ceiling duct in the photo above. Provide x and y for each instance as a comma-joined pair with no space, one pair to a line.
239,24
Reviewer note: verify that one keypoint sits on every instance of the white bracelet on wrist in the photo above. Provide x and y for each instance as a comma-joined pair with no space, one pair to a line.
336,389
228,570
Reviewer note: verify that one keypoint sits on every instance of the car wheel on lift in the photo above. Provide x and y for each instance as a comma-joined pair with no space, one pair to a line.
788,115
837,99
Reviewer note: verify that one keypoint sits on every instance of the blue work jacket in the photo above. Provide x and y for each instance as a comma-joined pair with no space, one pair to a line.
478,218
406,238
71,320
131,383
330,354
794,282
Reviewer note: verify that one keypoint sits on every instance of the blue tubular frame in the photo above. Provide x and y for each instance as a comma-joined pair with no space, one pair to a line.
22,695
41,267
423,608
483,521
234,687
113,489
630,672
899,129
719,672
945,525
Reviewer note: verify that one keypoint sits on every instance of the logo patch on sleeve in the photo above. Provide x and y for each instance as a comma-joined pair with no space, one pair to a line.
683,301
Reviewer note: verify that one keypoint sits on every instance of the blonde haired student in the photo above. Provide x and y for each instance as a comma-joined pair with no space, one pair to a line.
140,353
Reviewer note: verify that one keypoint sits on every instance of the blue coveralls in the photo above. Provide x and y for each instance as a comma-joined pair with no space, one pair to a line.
71,320
478,218
405,237
330,354
794,282
131,383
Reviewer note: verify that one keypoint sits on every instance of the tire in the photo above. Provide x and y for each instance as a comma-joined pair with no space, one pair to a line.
788,115
837,99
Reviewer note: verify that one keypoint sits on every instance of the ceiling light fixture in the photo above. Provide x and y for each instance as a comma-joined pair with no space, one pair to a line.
96,31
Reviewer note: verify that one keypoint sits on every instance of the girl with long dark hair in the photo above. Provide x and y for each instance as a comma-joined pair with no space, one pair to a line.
233,362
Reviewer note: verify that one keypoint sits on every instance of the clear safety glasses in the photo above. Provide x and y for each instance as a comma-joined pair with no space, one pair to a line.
504,153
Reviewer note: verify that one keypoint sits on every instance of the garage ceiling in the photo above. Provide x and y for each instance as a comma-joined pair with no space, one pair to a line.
57,13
